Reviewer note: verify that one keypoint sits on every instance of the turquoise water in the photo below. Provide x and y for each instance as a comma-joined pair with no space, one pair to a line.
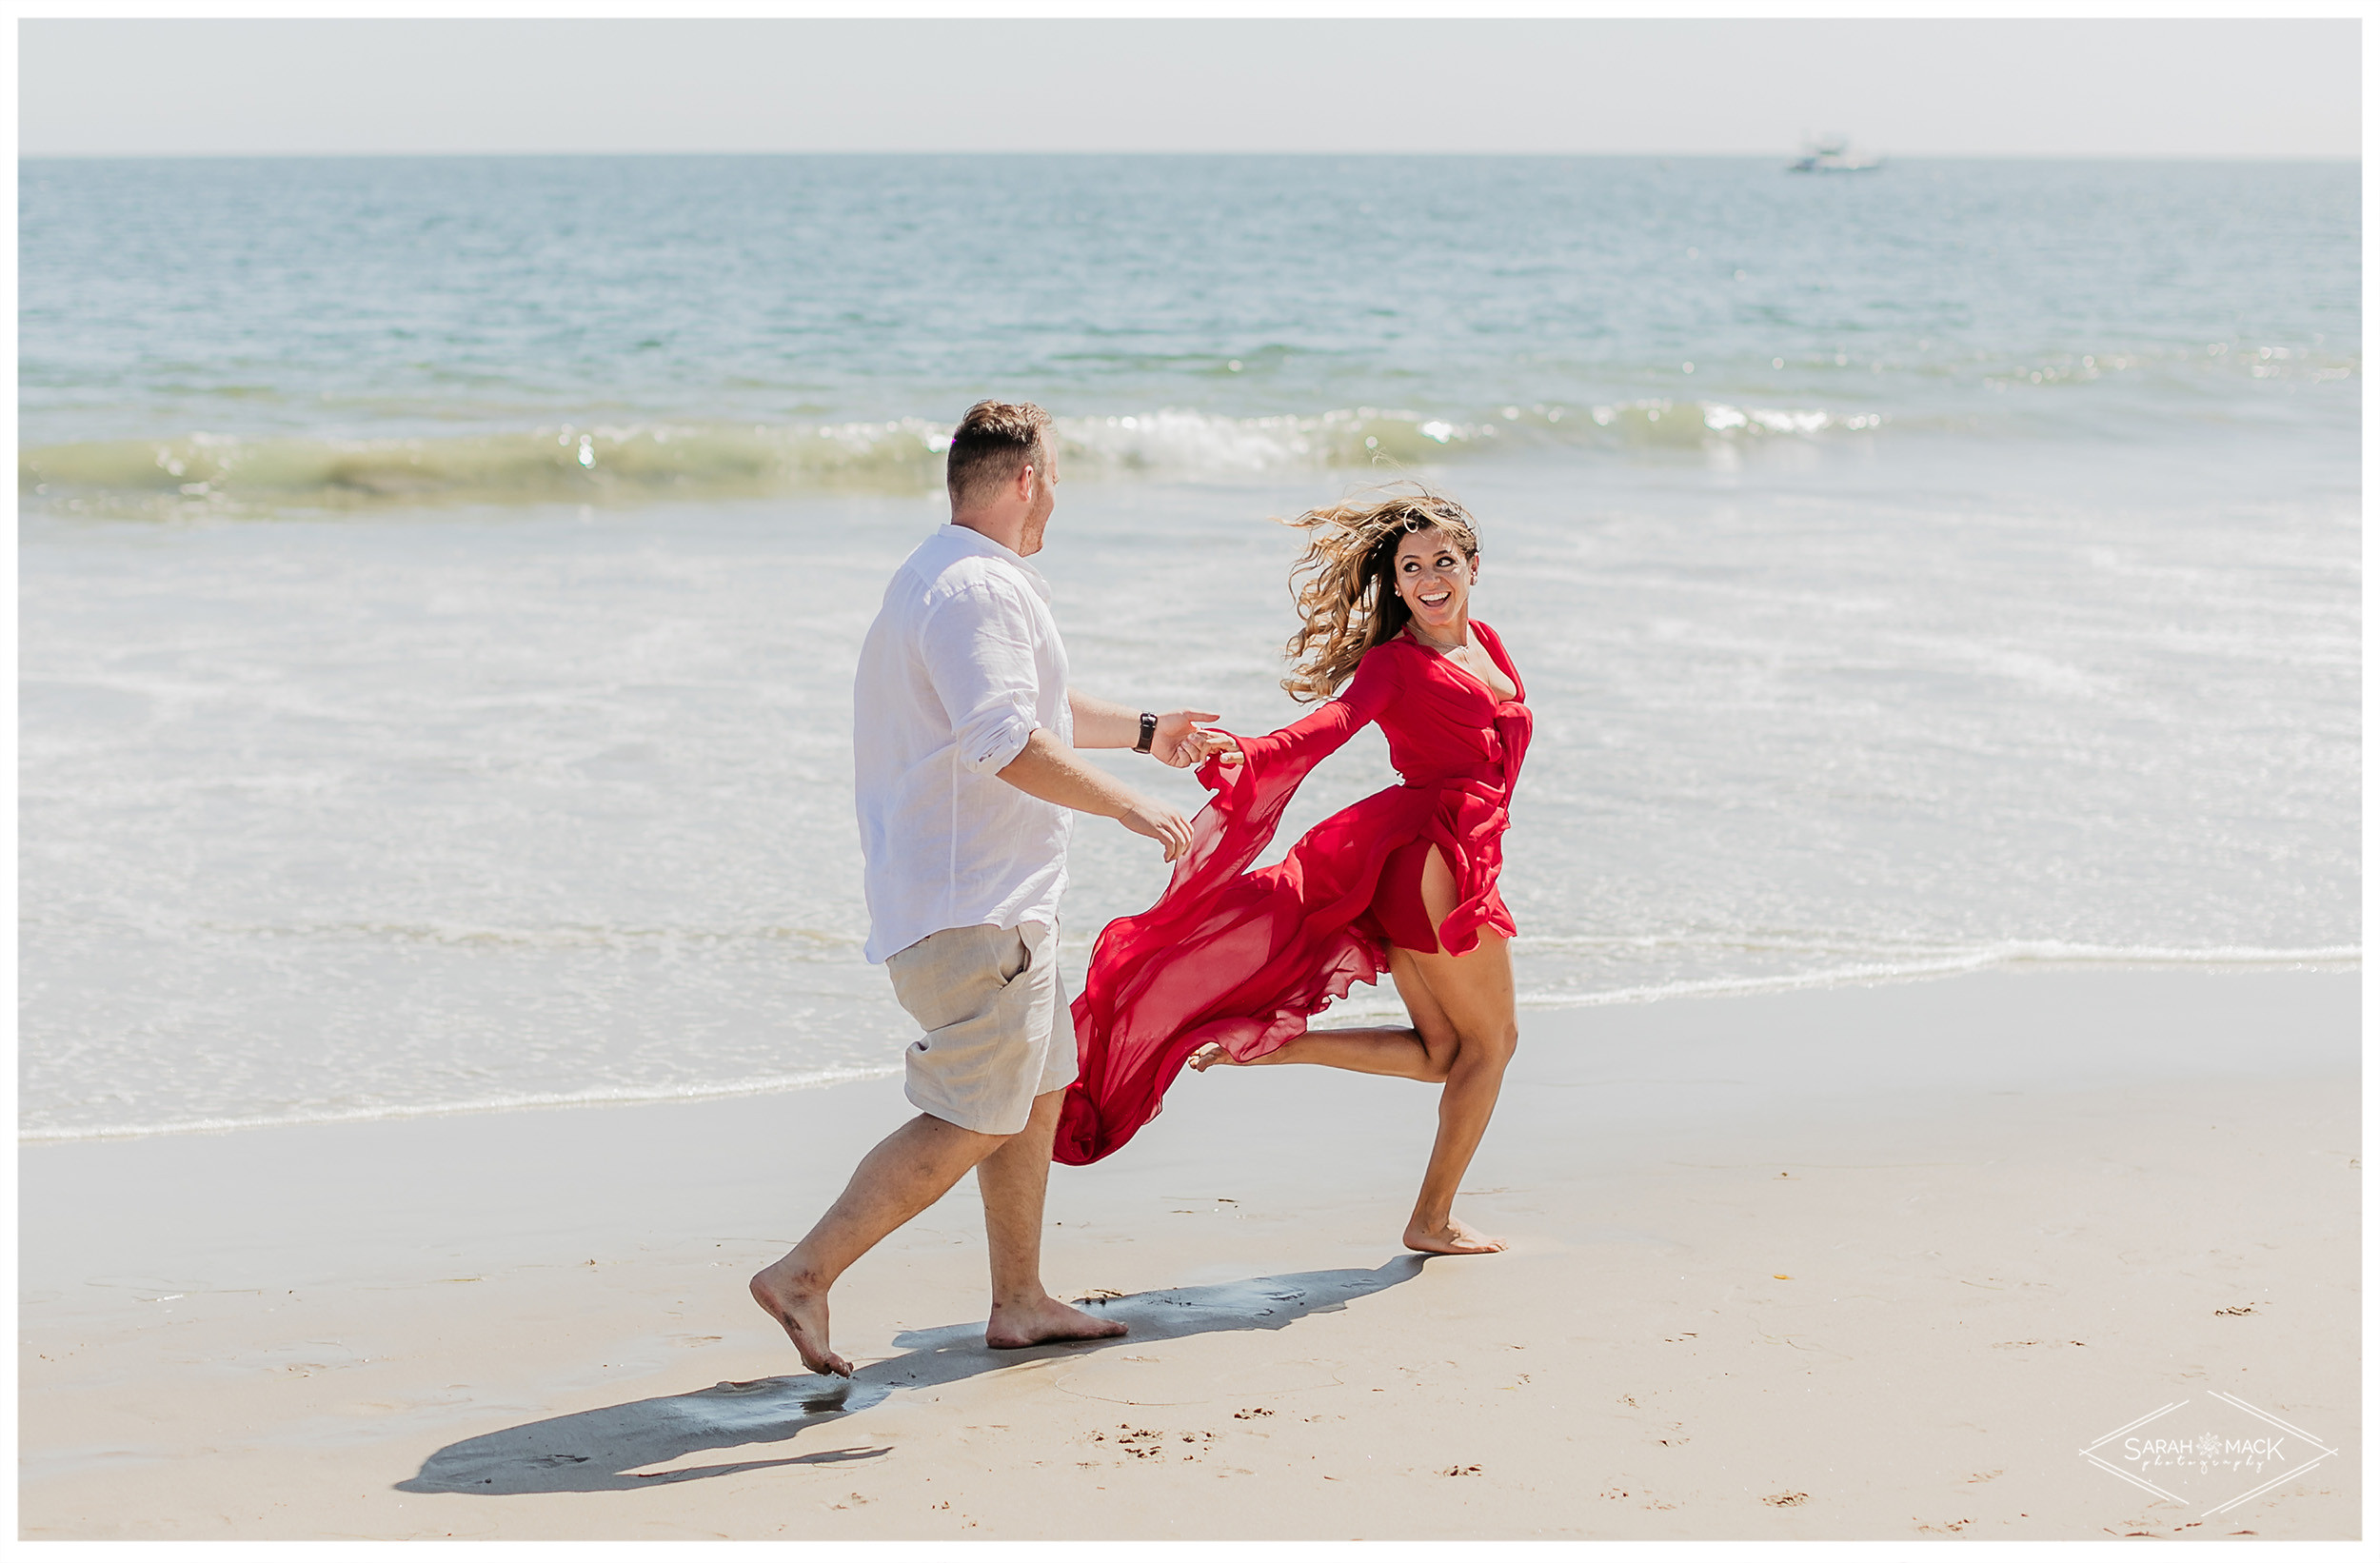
441,578
723,324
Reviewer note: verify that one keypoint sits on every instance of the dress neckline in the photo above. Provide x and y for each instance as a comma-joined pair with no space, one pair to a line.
1488,643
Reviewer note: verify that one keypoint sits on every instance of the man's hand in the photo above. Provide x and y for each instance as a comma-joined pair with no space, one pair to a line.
1055,773
1158,823
1179,742
1103,725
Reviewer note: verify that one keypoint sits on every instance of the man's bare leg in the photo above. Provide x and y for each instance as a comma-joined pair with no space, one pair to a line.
908,1170
1014,1181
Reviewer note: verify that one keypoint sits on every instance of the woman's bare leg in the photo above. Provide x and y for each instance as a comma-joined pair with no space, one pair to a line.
1462,1036
1420,1051
1474,995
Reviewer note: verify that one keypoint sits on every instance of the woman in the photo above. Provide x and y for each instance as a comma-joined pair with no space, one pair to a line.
1228,964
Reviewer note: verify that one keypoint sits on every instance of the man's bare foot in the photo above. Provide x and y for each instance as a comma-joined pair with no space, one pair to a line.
1038,1323
1449,1236
802,1309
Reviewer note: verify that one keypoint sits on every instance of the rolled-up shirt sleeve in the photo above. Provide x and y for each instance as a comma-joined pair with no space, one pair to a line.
977,649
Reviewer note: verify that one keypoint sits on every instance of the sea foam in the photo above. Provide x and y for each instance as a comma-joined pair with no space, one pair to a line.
606,463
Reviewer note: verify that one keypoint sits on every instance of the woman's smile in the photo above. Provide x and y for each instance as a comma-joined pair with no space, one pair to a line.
1434,577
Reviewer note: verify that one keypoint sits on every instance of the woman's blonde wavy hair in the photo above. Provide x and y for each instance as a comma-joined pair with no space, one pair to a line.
1343,587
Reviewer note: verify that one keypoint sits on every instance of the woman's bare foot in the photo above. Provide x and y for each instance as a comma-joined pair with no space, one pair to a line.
785,1296
1038,1323
1449,1236
1215,1051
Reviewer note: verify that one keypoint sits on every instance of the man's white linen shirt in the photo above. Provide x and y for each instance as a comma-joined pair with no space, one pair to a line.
962,663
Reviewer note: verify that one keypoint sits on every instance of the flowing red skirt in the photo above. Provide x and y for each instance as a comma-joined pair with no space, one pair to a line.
1243,958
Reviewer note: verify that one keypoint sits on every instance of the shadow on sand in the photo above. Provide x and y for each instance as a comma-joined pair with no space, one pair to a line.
602,1450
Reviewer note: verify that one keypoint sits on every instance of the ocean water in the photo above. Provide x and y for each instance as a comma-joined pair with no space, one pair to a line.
441,579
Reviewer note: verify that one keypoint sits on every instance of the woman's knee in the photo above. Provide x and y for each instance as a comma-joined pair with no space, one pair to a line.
1440,1044
1497,1042
1470,1053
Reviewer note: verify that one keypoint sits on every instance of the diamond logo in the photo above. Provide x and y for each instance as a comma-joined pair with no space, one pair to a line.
2212,1460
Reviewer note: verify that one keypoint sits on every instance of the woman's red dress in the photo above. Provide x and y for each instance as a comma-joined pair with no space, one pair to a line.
1243,959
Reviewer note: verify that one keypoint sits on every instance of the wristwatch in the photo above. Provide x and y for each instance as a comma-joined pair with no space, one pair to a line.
1148,732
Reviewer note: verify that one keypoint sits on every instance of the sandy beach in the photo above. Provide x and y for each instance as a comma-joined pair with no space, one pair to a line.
1867,1262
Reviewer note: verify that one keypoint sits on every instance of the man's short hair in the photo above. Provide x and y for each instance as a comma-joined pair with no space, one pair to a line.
991,445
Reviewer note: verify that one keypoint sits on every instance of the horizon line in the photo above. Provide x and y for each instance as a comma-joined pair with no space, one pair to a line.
1765,154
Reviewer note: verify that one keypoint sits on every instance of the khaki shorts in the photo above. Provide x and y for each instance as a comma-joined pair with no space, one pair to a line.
999,1028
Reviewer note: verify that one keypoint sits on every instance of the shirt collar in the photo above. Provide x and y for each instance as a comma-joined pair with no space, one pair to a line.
966,540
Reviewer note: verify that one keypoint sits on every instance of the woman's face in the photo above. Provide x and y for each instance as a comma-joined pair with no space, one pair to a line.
1434,579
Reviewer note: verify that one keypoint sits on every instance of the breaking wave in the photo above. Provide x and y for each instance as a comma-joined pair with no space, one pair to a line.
607,463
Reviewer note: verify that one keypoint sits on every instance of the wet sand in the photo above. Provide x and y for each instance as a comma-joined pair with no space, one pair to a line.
1862,1262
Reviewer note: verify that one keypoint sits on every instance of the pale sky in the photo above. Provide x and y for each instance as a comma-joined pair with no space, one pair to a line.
2122,88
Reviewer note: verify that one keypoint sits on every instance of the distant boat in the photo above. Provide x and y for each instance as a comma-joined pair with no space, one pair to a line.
1832,154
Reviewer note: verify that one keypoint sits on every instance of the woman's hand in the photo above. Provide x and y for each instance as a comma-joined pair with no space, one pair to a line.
1221,747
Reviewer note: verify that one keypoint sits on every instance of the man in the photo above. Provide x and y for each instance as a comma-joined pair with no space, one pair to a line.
965,745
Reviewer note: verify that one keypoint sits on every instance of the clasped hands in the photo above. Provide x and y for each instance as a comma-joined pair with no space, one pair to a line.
1179,742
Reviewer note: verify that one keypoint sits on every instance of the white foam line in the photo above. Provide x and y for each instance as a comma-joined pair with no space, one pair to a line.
1946,965
811,1081
1950,965
2017,955
1835,976
2043,950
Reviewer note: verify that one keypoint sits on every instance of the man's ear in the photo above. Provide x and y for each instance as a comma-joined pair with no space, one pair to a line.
1027,476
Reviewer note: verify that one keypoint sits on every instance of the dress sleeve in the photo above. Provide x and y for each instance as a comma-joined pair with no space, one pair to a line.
1250,797
1312,738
